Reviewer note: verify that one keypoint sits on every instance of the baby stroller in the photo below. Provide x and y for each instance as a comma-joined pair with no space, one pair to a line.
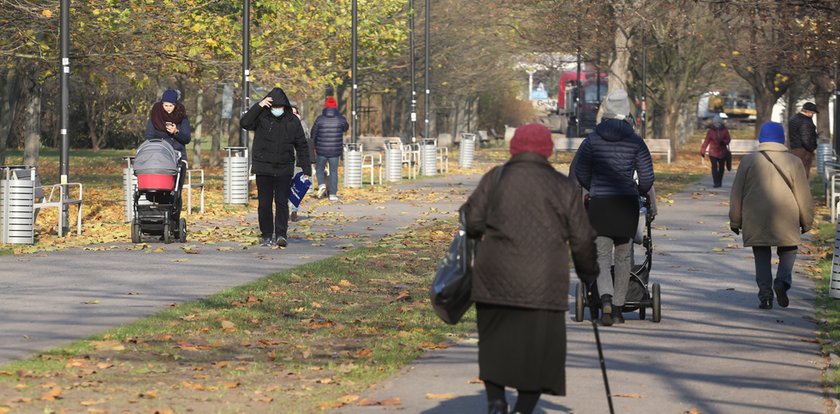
157,196
638,295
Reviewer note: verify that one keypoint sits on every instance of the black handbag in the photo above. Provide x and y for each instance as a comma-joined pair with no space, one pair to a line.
452,285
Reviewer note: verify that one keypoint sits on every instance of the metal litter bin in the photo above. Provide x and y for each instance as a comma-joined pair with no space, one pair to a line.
129,184
428,157
17,205
466,150
393,161
824,154
236,175
353,165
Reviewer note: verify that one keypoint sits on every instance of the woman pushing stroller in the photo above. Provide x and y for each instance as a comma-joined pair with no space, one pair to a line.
605,165
168,121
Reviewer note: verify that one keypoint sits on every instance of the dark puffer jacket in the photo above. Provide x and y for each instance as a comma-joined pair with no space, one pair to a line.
802,133
328,133
537,215
276,139
607,158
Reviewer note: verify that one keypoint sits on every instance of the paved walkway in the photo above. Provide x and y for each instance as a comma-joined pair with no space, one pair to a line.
713,352
50,299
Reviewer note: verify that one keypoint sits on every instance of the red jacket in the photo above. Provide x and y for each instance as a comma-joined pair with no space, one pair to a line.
717,140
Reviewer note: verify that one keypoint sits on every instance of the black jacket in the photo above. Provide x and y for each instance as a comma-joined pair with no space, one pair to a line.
328,133
276,138
607,159
537,219
802,133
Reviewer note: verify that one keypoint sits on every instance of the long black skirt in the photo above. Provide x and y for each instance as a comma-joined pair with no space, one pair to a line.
522,348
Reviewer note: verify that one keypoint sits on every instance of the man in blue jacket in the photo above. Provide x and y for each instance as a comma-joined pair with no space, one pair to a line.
328,137
278,136
605,165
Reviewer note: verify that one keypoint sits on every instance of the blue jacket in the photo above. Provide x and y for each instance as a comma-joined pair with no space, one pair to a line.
607,159
328,133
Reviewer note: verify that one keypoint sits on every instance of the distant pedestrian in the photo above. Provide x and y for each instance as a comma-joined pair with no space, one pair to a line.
279,140
328,138
168,121
530,220
803,135
771,203
614,165
294,210
717,142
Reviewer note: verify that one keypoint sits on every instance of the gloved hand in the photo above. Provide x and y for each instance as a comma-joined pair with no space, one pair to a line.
735,230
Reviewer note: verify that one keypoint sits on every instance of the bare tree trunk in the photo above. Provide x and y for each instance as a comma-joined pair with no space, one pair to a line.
215,145
32,124
92,121
823,89
764,101
670,129
199,124
8,96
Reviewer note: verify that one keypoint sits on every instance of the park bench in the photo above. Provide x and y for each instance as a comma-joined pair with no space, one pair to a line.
660,147
59,196
197,183
831,182
741,146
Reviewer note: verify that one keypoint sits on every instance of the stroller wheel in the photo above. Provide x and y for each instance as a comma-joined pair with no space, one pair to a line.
579,305
135,231
167,233
182,230
657,303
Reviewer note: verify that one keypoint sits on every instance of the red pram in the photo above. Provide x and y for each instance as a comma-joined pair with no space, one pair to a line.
157,198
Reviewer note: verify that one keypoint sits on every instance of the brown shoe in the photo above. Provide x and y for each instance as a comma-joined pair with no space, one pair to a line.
294,216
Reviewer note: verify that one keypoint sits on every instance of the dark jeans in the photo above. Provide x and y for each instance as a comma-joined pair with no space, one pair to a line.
273,189
320,161
764,271
718,164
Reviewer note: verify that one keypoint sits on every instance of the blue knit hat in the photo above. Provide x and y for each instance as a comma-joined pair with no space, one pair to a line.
170,95
772,132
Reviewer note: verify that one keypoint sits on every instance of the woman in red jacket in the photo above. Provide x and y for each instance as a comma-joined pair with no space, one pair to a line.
717,141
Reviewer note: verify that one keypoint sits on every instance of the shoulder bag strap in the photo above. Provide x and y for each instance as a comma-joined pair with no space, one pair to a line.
784,177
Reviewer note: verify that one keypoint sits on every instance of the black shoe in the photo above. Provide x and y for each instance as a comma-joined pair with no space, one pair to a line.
781,295
265,241
281,242
766,304
617,317
497,407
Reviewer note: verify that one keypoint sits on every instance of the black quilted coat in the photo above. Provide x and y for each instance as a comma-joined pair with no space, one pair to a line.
535,216
276,139
802,133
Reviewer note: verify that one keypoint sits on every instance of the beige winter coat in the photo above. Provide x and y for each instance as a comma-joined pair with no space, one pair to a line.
762,205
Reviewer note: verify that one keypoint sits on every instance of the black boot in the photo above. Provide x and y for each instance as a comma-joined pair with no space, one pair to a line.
617,317
497,407
606,310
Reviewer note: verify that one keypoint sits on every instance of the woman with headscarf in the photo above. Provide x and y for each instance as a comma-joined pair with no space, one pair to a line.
771,203
717,142
529,217
168,121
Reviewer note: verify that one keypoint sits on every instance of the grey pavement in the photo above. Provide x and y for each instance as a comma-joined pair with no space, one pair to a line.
713,352
50,299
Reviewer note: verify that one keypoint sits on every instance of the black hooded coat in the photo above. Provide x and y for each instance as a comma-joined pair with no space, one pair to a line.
276,139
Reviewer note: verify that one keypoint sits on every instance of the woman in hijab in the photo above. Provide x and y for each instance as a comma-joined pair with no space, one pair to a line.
531,217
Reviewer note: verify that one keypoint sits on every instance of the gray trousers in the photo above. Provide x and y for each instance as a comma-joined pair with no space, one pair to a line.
764,270
615,250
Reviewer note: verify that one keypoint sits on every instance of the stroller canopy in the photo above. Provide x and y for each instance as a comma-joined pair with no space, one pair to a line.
156,156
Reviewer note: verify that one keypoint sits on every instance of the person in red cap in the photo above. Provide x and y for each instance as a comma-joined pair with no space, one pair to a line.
529,217
328,138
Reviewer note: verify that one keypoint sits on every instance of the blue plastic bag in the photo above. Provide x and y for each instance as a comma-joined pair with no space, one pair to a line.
300,185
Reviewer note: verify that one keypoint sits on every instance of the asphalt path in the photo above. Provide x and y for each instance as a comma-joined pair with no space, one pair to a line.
714,351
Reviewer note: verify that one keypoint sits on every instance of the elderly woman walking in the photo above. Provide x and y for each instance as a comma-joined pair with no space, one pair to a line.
531,217
717,143
771,203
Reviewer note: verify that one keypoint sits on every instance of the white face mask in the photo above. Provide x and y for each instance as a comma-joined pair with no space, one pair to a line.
277,111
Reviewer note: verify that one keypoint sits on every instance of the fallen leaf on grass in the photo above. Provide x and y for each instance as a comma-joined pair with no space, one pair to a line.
628,395
108,346
91,402
4,410
345,283
96,411
347,399
445,396
330,404
391,401
151,394
264,399
230,385
53,394
228,326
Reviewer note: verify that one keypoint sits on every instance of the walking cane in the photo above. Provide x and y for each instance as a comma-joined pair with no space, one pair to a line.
603,366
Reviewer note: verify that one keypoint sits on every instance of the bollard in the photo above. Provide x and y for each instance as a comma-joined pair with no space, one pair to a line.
236,175
353,165
17,205
393,161
467,150
428,157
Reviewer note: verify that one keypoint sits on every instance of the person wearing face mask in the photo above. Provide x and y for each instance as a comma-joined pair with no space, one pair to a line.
168,121
279,141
